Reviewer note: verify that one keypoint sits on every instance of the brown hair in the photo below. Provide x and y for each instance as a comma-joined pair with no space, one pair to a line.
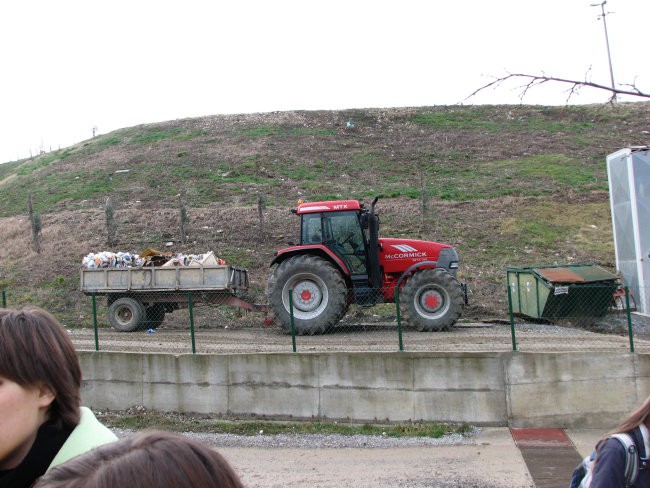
36,350
147,460
640,415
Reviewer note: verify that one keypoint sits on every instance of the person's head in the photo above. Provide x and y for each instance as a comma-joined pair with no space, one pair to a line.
37,355
640,415
146,460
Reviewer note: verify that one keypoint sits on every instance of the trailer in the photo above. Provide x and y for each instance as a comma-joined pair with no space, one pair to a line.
139,298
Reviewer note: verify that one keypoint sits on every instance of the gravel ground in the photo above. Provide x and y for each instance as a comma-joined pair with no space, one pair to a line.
323,441
465,337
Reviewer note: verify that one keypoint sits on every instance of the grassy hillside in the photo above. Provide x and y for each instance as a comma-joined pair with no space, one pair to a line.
506,185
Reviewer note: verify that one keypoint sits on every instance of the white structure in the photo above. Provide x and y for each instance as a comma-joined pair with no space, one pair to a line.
628,171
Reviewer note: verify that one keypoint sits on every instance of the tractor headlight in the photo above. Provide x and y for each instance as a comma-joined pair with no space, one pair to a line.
448,259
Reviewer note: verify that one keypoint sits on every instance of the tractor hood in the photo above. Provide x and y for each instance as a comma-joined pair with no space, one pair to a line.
396,255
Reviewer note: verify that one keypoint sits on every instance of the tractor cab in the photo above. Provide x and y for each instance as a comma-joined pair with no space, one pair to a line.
343,227
341,233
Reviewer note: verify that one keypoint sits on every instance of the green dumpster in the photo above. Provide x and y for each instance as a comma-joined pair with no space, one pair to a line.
577,291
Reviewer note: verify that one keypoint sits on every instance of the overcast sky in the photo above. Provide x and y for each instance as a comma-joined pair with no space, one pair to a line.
68,66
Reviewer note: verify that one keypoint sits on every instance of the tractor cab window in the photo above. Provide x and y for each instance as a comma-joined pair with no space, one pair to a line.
342,234
311,229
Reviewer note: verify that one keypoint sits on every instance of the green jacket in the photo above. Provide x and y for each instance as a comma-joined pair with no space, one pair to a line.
90,433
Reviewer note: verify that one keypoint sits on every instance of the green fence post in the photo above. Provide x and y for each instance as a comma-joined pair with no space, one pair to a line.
191,307
630,331
512,317
95,322
4,299
399,319
293,325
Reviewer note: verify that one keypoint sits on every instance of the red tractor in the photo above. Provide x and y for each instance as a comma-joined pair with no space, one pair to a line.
342,260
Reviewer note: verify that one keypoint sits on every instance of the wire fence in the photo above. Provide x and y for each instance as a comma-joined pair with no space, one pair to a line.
570,318
600,316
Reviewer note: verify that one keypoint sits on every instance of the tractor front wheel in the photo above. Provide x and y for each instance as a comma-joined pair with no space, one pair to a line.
319,294
433,300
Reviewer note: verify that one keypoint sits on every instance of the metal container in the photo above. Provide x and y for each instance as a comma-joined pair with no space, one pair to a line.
561,292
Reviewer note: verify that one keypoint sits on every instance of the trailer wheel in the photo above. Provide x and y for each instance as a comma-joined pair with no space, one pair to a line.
433,300
154,316
126,314
319,294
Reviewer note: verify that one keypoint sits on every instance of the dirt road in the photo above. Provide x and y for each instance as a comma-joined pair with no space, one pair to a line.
457,466
477,337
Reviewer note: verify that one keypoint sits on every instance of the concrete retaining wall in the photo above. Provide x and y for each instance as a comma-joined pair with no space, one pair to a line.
516,389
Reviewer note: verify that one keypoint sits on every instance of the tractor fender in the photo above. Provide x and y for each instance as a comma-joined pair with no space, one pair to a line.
411,269
316,250
431,264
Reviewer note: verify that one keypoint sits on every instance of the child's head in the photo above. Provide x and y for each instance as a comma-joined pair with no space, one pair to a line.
146,460
36,352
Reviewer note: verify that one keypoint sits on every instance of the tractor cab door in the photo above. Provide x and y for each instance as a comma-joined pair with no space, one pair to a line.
342,234
311,231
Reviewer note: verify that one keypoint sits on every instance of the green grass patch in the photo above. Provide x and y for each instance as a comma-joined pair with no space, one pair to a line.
465,119
51,189
557,169
507,120
548,226
238,256
532,176
113,139
184,423
7,169
27,168
149,134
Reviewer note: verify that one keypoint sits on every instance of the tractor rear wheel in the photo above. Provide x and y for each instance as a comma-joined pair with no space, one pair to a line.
126,314
433,300
319,294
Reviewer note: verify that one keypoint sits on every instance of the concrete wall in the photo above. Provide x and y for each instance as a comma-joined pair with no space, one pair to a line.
517,389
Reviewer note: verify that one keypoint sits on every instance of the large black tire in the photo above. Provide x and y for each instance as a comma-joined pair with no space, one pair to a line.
433,300
319,294
154,316
126,314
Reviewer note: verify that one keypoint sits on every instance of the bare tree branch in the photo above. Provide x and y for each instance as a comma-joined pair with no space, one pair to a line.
574,86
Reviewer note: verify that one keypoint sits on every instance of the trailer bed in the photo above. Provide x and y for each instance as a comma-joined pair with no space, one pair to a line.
164,279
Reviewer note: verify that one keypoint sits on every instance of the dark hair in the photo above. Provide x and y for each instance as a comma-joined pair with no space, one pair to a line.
36,350
146,460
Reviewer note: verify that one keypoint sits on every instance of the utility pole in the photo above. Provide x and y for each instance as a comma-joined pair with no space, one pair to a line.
609,55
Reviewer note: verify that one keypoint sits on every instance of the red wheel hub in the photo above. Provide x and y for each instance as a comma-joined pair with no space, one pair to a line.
431,300
305,295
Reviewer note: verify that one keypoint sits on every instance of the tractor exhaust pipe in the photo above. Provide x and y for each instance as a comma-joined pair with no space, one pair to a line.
373,252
